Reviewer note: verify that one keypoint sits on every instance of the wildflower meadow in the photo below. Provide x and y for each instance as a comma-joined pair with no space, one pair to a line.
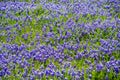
59,39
